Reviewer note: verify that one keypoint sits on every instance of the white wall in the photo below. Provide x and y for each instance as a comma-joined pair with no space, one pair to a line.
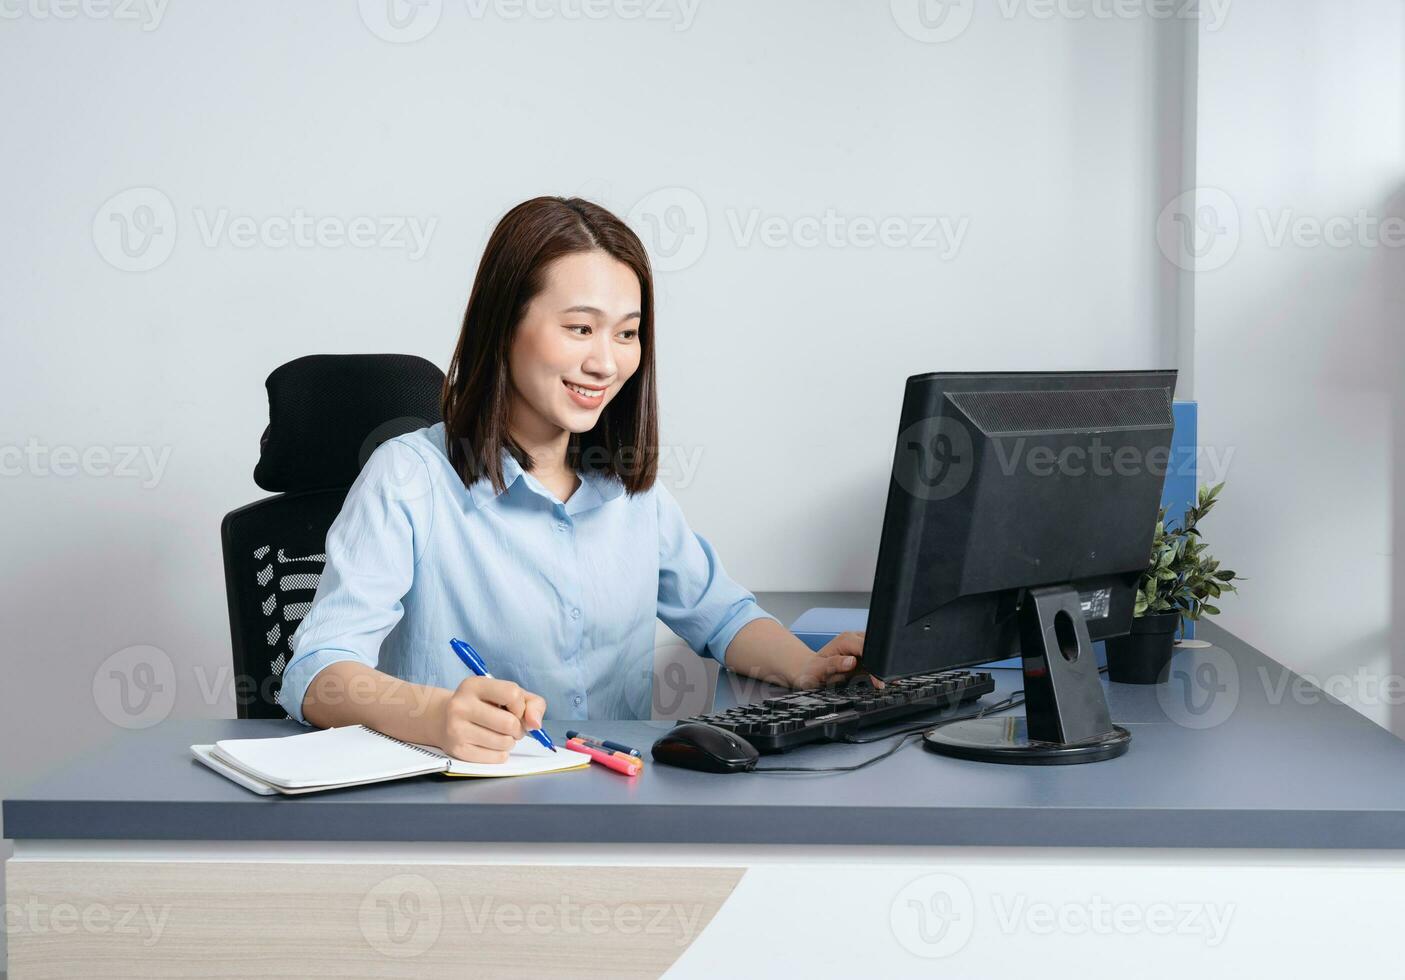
1044,141
1297,352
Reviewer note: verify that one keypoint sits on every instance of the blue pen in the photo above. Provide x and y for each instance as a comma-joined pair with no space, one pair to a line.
613,746
475,663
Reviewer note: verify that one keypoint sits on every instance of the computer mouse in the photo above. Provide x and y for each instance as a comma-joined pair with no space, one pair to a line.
706,748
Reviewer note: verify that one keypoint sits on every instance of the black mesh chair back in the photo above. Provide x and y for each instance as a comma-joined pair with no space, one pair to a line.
327,414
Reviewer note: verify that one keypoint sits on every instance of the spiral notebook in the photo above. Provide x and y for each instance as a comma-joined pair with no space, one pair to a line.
354,755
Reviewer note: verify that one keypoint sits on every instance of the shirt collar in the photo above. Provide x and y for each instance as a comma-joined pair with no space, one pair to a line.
595,488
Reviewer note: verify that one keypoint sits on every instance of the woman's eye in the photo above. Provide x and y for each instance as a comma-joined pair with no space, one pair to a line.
629,334
579,326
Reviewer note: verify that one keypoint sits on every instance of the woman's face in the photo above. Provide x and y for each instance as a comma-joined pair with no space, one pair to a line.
581,330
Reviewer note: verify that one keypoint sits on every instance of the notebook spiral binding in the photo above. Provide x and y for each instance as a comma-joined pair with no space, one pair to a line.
409,745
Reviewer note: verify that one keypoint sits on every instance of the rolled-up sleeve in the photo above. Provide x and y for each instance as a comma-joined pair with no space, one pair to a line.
372,549
697,599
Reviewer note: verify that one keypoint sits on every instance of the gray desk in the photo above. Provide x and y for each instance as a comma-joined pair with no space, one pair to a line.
1254,764
1239,783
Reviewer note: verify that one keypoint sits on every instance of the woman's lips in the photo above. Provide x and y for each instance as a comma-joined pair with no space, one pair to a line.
582,400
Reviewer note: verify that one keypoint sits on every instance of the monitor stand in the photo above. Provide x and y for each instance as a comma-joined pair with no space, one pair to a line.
1066,718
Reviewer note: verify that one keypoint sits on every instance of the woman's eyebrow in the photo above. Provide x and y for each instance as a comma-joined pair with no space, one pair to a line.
596,311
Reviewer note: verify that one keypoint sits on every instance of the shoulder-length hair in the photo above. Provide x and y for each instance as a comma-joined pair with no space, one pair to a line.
624,442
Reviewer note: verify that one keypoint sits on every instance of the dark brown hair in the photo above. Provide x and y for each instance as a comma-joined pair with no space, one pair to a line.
624,442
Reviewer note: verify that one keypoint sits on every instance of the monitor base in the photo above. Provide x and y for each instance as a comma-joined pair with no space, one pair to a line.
1007,740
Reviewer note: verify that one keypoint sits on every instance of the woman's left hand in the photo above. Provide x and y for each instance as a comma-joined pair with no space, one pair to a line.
835,660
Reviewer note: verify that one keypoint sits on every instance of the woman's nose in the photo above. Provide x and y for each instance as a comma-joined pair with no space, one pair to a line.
600,362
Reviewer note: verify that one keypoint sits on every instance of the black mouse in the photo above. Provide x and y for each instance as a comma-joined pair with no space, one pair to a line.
707,748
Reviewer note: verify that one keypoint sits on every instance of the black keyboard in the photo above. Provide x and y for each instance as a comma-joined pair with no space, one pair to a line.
828,714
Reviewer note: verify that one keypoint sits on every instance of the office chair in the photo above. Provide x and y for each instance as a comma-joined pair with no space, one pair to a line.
326,414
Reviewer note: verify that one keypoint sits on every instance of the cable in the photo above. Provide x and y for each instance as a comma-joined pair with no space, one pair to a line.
1013,700
858,765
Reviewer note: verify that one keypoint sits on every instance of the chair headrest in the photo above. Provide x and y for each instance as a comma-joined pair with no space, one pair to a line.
328,412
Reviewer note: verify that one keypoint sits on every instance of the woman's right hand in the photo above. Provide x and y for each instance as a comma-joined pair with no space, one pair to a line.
485,716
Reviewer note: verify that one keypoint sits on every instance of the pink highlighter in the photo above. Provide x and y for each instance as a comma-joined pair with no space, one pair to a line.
610,760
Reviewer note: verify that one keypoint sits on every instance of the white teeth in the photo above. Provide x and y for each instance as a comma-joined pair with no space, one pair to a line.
584,391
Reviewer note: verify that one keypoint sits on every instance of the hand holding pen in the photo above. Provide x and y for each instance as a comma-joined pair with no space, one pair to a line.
484,717
474,662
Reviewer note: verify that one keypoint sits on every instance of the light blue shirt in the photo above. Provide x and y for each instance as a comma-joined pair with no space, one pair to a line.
561,598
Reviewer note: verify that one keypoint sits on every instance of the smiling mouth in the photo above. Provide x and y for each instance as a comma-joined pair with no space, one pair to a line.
589,394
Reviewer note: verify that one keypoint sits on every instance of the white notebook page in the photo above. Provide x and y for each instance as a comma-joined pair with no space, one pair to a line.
354,754
527,758
329,757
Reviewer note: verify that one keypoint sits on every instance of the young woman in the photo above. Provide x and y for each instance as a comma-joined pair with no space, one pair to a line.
529,522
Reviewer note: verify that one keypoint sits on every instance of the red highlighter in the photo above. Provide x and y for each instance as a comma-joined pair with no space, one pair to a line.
609,760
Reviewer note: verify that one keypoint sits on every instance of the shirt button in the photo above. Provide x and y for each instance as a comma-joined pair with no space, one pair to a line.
561,525
575,614
578,699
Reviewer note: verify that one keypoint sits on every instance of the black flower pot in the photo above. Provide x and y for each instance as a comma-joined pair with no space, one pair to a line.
1142,656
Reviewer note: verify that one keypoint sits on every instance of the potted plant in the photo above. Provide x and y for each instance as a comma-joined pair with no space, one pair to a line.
1182,581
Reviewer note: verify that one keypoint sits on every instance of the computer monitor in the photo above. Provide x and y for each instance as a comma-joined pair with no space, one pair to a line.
1020,515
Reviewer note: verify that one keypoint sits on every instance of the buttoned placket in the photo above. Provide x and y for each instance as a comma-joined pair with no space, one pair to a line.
569,582
571,601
